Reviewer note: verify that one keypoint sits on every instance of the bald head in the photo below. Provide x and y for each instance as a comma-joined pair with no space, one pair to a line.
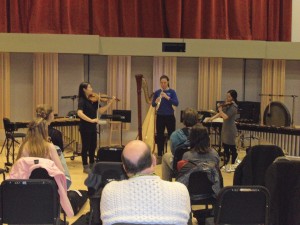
136,157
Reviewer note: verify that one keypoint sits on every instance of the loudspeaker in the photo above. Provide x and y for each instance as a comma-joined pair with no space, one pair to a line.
173,47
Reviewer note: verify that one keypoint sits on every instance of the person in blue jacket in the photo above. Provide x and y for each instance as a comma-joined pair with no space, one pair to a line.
164,100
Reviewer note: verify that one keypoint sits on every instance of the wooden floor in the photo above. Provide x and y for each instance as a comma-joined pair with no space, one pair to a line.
78,177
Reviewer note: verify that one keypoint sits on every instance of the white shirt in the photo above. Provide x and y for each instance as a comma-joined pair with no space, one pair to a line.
145,199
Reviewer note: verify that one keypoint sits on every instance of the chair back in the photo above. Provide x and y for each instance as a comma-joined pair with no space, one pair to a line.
199,183
178,156
283,183
109,171
8,126
262,157
101,174
253,168
29,202
242,205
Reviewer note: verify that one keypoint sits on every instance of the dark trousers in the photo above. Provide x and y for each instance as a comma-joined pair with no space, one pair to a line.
89,144
230,149
162,122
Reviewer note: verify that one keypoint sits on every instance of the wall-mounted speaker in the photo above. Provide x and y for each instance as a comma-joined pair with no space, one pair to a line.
173,47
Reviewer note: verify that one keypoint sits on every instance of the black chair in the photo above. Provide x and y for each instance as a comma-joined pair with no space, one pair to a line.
177,157
41,173
102,173
252,169
242,205
10,136
283,183
29,202
201,193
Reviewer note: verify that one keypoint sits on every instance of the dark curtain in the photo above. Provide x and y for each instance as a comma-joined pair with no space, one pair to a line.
205,19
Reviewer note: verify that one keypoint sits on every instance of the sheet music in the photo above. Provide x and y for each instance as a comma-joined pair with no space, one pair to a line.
216,120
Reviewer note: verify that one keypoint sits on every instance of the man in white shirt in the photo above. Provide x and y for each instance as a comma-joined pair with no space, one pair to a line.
144,197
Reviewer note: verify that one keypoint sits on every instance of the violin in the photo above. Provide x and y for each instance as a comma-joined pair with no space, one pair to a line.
225,104
94,97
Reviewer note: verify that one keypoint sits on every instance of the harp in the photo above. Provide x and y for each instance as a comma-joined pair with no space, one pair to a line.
146,130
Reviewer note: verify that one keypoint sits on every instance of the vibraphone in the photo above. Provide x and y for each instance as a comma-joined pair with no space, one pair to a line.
287,138
69,128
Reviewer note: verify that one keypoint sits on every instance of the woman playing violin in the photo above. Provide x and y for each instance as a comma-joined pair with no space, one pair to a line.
228,112
88,105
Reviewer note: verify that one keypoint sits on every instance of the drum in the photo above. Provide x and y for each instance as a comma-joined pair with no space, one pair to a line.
277,114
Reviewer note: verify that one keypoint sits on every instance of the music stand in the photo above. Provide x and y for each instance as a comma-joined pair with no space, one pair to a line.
124,116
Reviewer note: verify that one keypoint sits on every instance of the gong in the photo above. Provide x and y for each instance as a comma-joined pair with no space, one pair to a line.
277,114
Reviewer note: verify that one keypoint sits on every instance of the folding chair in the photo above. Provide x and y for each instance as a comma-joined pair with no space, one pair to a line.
242,205
29,202
101,174
10,135
201,193
283,183
177,157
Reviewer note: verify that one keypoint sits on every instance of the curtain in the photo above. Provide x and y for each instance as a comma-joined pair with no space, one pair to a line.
273,82
164,66
214,19
4,86
45,80
209,82
118,82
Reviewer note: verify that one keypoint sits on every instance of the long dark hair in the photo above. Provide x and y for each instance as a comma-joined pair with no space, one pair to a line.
199,139
233,94
81,93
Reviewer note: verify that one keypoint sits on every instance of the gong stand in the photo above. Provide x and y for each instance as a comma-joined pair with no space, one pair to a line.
288,96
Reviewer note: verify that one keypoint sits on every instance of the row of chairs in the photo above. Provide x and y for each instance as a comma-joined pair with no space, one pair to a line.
234,205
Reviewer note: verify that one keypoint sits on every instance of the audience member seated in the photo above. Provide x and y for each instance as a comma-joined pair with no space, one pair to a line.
144,198
200,153
36,143
23,167
46,112
178,139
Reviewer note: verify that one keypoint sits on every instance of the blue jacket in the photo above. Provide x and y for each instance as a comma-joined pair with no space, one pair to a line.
179,139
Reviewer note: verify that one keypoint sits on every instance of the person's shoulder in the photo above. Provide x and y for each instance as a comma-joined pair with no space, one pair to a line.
176,132
213,151
174,186
171,90
114,185
51,146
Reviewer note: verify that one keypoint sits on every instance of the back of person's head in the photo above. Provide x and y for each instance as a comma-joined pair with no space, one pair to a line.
43,111
81,93
190,117
36,139
199,139
136,157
